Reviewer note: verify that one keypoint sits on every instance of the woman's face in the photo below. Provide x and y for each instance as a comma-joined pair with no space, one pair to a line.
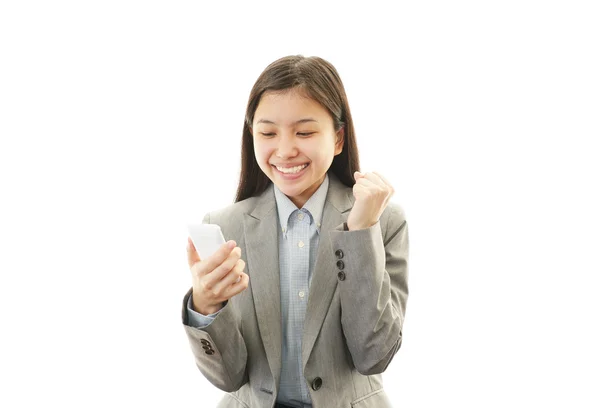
294,142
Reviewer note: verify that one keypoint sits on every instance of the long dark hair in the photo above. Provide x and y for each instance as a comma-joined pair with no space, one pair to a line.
321,82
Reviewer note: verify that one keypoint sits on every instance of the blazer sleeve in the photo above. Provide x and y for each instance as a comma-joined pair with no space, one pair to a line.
219,348
373,289
198,320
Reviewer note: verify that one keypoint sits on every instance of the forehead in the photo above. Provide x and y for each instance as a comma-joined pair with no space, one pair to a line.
288,107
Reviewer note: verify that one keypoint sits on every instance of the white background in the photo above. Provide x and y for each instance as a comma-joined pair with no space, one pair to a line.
121,120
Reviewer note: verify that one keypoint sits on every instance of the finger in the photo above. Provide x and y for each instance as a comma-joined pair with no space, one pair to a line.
366,187
216,259
360,188
212,277
238,287
389,186
192,254
231,277
374,182
375,179
361,192
363,185
384,180
368,183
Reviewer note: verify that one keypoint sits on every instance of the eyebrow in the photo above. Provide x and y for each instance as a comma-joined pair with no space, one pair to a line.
304,120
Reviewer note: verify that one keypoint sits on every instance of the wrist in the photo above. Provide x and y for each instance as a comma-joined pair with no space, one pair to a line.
205,309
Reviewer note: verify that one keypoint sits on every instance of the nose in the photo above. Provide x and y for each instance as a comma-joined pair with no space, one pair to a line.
286,147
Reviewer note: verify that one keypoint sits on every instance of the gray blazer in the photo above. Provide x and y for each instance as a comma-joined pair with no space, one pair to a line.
354,315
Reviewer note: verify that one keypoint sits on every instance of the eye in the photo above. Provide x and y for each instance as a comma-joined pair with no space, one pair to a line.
305,134
267,134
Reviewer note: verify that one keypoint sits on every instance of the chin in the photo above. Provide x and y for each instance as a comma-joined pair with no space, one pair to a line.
291,191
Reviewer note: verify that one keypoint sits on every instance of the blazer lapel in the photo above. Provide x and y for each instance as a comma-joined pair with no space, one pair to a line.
338,203
260,230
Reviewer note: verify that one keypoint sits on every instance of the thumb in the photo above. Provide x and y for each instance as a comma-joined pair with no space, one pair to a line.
192,253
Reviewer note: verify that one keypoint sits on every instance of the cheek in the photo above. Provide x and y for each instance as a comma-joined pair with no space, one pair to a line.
320,153
261,152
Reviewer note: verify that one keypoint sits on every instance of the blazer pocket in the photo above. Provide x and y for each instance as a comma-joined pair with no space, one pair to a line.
375,399
231,401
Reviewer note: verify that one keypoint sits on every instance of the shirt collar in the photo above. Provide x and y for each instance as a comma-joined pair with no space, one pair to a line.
314,205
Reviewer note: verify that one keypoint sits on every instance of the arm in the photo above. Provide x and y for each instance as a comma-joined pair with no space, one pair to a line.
374,291
219,348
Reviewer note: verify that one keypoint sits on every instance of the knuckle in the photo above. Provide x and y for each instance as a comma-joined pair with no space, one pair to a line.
204,286
222,254
222,269
199,270
226,267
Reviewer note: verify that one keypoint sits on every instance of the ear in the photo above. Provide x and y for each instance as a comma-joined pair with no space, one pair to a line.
251,131
339,144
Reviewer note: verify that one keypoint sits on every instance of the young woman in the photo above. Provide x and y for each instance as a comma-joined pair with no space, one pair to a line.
304,306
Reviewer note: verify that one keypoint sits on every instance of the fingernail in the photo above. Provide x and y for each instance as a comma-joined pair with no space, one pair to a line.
231,244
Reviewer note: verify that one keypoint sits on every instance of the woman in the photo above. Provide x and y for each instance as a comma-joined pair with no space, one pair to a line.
307,309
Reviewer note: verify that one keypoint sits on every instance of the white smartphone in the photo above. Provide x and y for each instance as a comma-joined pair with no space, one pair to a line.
207,238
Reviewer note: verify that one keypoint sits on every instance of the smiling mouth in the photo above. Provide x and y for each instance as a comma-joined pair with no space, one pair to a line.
292,170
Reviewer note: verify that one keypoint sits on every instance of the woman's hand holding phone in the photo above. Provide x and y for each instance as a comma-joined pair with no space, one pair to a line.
217,278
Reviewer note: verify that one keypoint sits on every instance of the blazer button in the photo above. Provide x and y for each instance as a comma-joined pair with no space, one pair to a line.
341,275
207,347
340,265
210,352
339,254
316,384
205,342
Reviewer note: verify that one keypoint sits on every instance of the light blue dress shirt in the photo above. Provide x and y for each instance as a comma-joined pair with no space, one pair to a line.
298,243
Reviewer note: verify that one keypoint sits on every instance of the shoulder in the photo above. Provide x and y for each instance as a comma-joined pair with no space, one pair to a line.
231,213
235,213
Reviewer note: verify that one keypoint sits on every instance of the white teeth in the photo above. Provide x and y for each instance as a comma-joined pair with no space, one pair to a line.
291,170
